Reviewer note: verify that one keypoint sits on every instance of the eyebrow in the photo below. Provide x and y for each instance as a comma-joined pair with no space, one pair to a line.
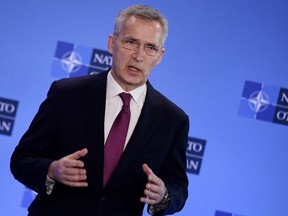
146,43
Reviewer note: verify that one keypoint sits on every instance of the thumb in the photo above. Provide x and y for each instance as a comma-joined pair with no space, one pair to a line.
147,169
78,154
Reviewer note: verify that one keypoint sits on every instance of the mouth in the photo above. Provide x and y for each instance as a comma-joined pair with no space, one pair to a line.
134,68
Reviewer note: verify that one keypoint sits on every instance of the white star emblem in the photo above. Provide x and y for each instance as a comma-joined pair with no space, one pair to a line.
258,101
71,62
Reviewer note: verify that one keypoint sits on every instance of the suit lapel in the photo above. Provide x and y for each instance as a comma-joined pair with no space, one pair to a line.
94,109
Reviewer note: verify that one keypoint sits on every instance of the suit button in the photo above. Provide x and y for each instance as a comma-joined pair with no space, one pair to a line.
102,198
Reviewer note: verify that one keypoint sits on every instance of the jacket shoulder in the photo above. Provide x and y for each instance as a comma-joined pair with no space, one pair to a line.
78,82
166,104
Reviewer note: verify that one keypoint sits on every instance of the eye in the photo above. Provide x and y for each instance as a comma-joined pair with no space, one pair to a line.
151,47
130,42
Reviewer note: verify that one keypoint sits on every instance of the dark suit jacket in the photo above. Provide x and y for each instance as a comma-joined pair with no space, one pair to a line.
72,118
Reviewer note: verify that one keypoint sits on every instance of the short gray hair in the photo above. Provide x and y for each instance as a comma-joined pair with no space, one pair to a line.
143,12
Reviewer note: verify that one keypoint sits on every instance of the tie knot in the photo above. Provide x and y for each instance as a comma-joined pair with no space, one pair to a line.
126,97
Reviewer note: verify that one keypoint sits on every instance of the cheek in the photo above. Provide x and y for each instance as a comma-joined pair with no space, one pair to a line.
152,65
117,62
121,58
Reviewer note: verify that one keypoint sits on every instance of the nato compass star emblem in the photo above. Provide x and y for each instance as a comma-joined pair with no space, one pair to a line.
256,104
71,62
258,101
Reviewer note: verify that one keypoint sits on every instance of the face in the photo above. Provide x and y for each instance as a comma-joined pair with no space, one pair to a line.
131,67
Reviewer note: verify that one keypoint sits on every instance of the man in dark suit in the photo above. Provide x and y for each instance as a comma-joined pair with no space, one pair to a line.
62,156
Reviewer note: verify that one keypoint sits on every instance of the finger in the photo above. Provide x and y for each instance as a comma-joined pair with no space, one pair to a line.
147,169
148,172
74,171
72,159
75,184
78,154
151,187
69,163
150,194
75,177
148,201
152,197
152,178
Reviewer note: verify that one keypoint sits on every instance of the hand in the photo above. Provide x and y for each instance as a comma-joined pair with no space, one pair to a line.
155,189
69,170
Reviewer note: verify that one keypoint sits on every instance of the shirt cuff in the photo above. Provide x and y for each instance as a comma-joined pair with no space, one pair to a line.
49,184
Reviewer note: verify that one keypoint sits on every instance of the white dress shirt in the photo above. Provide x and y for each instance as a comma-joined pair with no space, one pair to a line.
114,105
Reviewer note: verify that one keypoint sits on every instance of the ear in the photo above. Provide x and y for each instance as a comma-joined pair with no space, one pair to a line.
159,58
110,45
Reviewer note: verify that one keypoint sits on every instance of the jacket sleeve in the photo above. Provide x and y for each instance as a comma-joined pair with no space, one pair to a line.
32,156
173,171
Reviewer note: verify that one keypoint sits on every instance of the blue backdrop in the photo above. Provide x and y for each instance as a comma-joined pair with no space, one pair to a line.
213,49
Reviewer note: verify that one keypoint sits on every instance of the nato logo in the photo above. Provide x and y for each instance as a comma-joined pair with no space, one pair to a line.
72,60
221,213
264,102
8,109
194,154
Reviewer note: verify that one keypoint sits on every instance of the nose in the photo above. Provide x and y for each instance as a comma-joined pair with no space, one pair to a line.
139,54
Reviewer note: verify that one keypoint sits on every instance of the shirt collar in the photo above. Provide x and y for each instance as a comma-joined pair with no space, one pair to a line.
114,89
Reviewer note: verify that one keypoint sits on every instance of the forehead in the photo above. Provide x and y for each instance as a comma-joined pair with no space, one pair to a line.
144,30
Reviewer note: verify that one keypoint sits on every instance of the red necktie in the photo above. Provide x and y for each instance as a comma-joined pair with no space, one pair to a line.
116,138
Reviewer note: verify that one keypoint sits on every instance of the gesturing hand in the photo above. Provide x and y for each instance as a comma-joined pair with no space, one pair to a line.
69,170
155,188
